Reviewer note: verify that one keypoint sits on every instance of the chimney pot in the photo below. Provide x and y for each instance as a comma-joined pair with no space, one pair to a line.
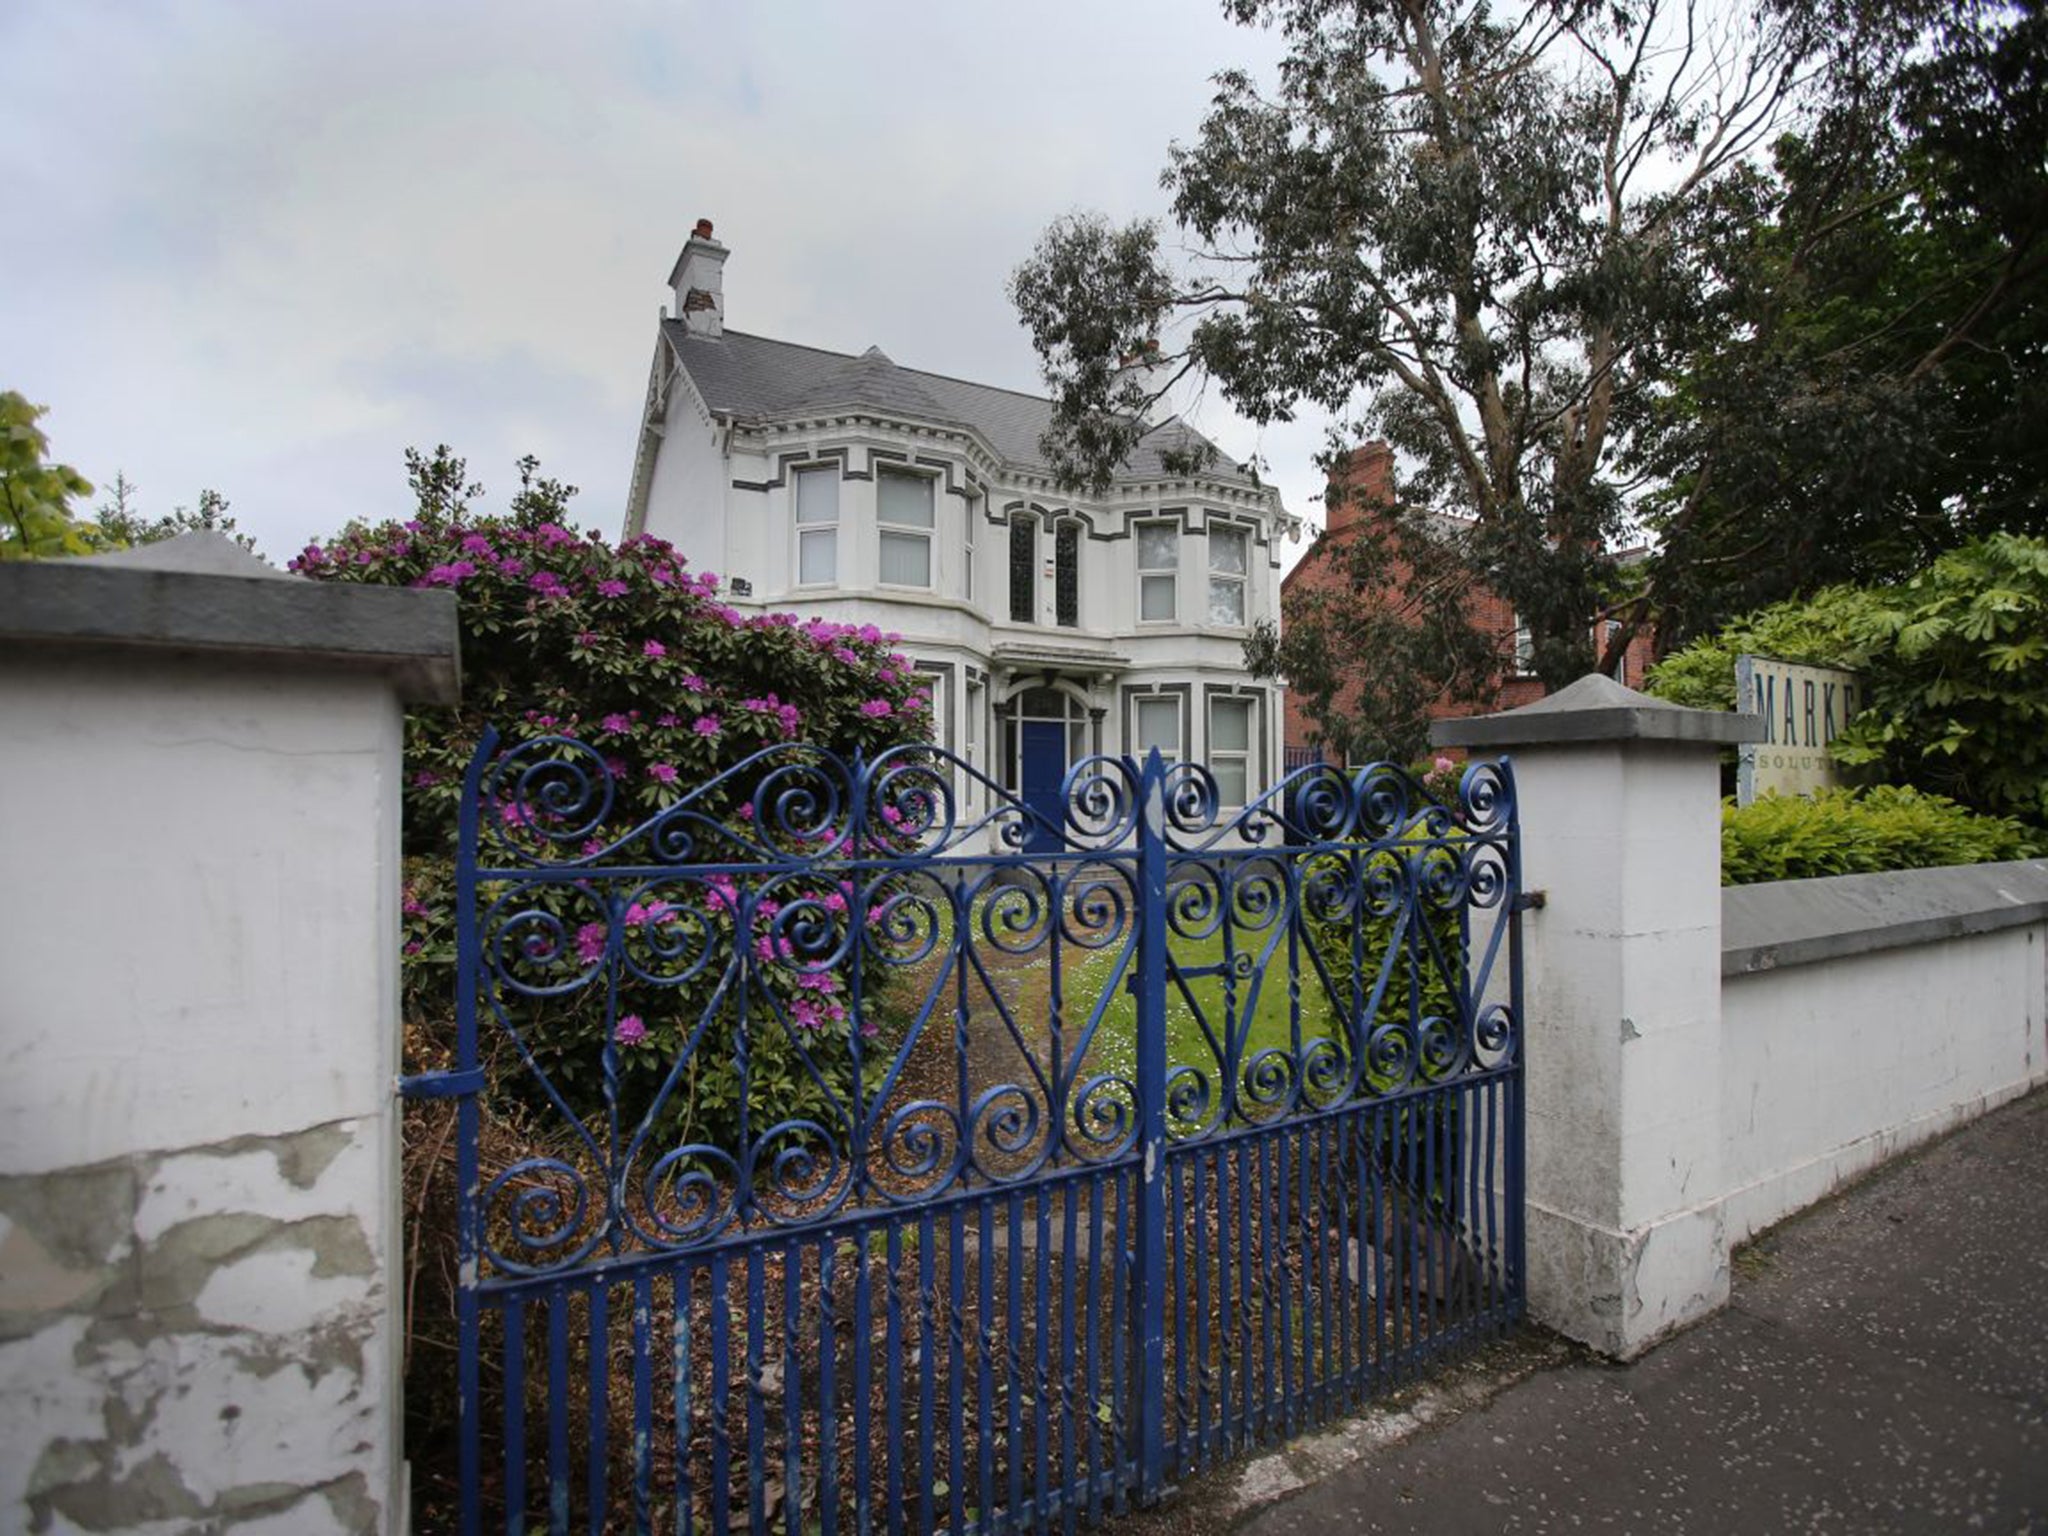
703,229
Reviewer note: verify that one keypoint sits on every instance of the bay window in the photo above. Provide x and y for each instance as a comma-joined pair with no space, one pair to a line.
1158,572
903,508
1023,569
1156,723
1230,748
1228,559
817,525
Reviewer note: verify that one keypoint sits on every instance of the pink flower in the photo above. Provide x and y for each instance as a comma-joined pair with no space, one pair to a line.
632,1029
662,773
695,684
1445,764
654,648
612,589
708,725
875,709
548,584
590,942
476,544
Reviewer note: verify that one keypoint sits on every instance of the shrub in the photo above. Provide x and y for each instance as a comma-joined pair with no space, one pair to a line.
625,649
1860,831
1815,632
1955,664
1958,699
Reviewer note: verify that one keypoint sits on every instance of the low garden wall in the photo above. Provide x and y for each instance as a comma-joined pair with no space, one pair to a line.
1865,1013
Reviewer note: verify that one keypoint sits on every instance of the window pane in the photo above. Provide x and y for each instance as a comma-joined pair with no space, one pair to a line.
1227,550
818,556
1158,546
817,495
1230,725
906,559
1231,782
1155,597
1023,571
1226,600
1158,725
1042,704
1067,575
905,500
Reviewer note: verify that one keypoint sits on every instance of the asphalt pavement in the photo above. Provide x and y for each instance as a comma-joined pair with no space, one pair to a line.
1882,1367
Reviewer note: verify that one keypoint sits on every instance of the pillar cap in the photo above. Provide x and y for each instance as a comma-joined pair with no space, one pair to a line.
200,593
1596,709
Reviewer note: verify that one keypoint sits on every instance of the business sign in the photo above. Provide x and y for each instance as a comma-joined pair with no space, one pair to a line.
1803,709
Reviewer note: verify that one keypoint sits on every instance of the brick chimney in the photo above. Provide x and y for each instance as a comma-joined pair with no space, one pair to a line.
699,282
1361,483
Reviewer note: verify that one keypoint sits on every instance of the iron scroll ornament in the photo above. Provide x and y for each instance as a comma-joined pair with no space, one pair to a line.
1372,912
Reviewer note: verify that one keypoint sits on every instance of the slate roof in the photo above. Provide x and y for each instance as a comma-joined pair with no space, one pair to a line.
755,378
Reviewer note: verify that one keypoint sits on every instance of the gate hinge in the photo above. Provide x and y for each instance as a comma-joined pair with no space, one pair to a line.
1529,901
441,1085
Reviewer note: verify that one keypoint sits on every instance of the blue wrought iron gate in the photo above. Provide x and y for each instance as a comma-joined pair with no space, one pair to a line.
829,1161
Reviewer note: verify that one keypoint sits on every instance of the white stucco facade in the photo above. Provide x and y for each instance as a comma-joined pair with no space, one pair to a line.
862,493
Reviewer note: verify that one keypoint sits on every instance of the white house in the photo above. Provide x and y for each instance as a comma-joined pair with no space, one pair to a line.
1052,625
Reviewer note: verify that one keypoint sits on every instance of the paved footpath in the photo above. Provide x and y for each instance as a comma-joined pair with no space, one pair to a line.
1883,1367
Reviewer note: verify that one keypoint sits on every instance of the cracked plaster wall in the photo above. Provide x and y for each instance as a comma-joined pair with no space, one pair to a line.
198,1155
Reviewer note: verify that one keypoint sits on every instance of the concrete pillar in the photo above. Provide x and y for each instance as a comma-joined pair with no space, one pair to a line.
200,1265
1621,833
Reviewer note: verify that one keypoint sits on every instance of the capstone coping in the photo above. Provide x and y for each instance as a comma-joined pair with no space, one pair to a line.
1597,709
202,592
1784,923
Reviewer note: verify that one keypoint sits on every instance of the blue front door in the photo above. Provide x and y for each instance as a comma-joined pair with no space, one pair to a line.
1043,748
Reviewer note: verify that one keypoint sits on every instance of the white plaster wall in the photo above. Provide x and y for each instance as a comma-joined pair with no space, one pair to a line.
1830,1068
687,490
198,1132
198,923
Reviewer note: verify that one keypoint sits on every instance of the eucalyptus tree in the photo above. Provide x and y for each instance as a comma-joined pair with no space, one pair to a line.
1462,226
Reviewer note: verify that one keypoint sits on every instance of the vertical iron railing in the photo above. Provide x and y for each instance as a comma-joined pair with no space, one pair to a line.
849,1166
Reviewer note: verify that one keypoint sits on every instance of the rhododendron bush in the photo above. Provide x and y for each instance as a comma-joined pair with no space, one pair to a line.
628,650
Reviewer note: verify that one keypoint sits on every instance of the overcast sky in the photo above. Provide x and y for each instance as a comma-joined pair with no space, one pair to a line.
263,246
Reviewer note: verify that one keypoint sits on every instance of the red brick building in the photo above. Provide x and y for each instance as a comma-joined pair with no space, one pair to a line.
1362,484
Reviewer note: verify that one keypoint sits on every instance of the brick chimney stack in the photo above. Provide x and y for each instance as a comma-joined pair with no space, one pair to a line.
699,283
1361,484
